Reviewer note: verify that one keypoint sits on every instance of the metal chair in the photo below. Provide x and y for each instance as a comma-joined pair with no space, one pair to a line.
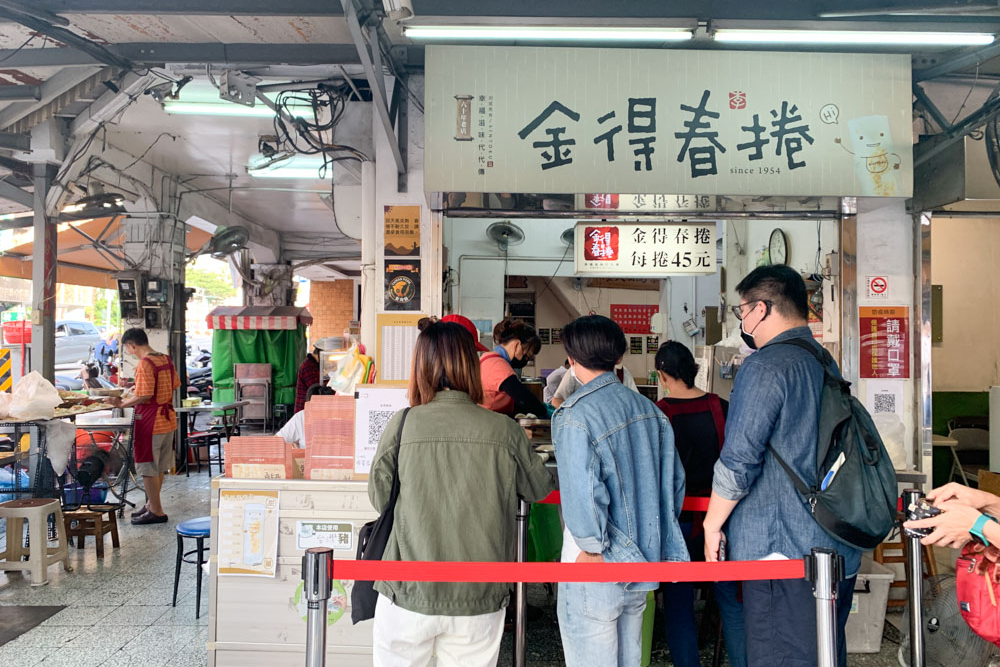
972,441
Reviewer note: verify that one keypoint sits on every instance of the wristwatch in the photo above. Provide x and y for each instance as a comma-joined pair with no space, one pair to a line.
977,529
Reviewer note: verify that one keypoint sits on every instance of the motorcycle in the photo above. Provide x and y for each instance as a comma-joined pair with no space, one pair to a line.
200,382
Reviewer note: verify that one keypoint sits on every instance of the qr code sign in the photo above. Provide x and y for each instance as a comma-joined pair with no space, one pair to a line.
377,421
885,403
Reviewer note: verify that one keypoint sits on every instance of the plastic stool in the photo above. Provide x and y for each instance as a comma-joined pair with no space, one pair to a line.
199,530
36,511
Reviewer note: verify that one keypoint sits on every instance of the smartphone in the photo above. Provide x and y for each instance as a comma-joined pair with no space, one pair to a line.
722,549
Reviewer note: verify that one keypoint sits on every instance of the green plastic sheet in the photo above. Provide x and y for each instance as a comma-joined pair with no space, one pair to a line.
284,349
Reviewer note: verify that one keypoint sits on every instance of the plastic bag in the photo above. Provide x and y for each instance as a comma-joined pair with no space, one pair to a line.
60,437
34,397
351,371
4,405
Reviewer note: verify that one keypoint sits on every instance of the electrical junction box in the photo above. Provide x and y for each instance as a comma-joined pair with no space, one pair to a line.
157,291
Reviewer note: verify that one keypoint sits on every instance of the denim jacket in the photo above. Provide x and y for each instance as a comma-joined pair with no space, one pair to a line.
621,480
775,399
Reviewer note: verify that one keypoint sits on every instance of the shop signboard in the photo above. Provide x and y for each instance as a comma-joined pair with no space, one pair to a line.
575,120
885,342
642,202
654,249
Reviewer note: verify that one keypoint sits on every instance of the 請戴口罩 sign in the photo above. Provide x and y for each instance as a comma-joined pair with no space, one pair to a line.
574,120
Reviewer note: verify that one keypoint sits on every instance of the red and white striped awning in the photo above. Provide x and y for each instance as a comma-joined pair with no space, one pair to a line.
258,317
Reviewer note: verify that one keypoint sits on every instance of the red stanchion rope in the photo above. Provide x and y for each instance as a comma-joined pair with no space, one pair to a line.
466,572
691,503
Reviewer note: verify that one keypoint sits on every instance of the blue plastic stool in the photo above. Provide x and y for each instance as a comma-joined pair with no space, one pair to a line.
199,530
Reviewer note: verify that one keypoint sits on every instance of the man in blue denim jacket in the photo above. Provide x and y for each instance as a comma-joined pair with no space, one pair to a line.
775,401
622,487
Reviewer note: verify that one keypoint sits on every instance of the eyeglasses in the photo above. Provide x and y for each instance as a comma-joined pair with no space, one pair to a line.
738,310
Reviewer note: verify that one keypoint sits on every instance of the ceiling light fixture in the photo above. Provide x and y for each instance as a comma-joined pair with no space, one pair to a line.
288,166
221,108
546,33
848,37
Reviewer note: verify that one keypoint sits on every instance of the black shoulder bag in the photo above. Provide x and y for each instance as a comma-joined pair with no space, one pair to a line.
372,540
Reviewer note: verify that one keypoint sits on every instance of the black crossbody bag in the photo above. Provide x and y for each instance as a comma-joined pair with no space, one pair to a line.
372,540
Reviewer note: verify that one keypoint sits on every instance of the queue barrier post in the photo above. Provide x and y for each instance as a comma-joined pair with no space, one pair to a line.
914,581
520,601
317,587
825,570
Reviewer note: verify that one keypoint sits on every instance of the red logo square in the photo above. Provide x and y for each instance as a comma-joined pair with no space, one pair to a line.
601,244
737,100
603,201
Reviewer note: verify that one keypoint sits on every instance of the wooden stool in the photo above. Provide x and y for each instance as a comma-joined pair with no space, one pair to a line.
36,511
92,521
930,567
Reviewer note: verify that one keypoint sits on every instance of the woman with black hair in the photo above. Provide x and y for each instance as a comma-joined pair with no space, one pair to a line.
517,344
699,422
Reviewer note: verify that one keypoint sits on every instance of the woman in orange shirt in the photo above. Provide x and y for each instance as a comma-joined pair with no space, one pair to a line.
502,389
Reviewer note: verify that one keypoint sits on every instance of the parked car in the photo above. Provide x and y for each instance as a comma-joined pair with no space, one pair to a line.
75,342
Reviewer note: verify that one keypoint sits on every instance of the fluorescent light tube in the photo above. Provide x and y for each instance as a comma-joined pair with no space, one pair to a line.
223,108
546,33
290,172
867,37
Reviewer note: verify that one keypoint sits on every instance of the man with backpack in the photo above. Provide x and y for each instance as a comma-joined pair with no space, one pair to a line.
774,419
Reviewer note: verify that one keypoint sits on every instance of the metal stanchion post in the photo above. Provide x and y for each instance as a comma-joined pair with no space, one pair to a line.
317,589
520,603
915,582
824,571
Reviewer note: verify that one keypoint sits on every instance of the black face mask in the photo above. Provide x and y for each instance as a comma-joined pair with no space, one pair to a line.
748,337
518,364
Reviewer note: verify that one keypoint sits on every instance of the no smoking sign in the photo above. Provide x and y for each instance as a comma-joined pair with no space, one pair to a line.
877,287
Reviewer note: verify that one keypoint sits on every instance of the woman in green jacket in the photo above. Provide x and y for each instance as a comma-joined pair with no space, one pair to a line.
461,470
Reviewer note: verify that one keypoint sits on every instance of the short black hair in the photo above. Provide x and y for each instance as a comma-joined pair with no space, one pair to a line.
595,342
675,359
781,285
92,371
318,389
135,336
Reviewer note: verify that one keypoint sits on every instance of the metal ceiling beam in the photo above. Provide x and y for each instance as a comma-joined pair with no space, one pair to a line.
965,61
50,89
376,81
192,7
66,37
20,93
17,223
238,54
16,142
16,195
47,57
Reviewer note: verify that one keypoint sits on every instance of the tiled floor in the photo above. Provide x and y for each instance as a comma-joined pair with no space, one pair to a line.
118,610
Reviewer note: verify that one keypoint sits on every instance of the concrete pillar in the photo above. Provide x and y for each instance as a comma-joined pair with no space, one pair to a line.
43,278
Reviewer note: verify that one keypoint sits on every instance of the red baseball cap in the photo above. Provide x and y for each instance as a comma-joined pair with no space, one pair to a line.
467,324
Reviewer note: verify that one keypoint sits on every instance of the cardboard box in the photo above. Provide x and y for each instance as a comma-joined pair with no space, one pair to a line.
989,482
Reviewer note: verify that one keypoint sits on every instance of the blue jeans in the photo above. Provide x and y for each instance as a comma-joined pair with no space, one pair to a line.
601,624
682,632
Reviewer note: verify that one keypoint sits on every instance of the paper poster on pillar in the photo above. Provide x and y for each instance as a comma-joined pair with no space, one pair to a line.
402,284
885,342
402,231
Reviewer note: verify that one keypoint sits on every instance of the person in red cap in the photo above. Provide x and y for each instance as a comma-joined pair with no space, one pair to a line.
467,324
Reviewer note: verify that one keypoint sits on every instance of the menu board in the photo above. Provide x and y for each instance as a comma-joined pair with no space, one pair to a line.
248,533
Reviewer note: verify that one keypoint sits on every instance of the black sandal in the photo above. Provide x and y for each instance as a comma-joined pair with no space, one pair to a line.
148,518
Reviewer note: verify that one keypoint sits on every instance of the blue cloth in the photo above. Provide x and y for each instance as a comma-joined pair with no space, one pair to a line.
620,477
200,527
502,351
600,624
102,352
775,400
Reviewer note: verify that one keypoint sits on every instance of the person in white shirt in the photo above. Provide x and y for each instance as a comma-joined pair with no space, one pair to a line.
569,385
553,380
294,430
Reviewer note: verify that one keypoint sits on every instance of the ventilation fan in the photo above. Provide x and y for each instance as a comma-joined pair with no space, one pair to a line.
505,234
224,242
97,204
568,236
947,637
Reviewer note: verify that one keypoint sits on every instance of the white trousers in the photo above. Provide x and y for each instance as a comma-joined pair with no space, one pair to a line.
404,638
